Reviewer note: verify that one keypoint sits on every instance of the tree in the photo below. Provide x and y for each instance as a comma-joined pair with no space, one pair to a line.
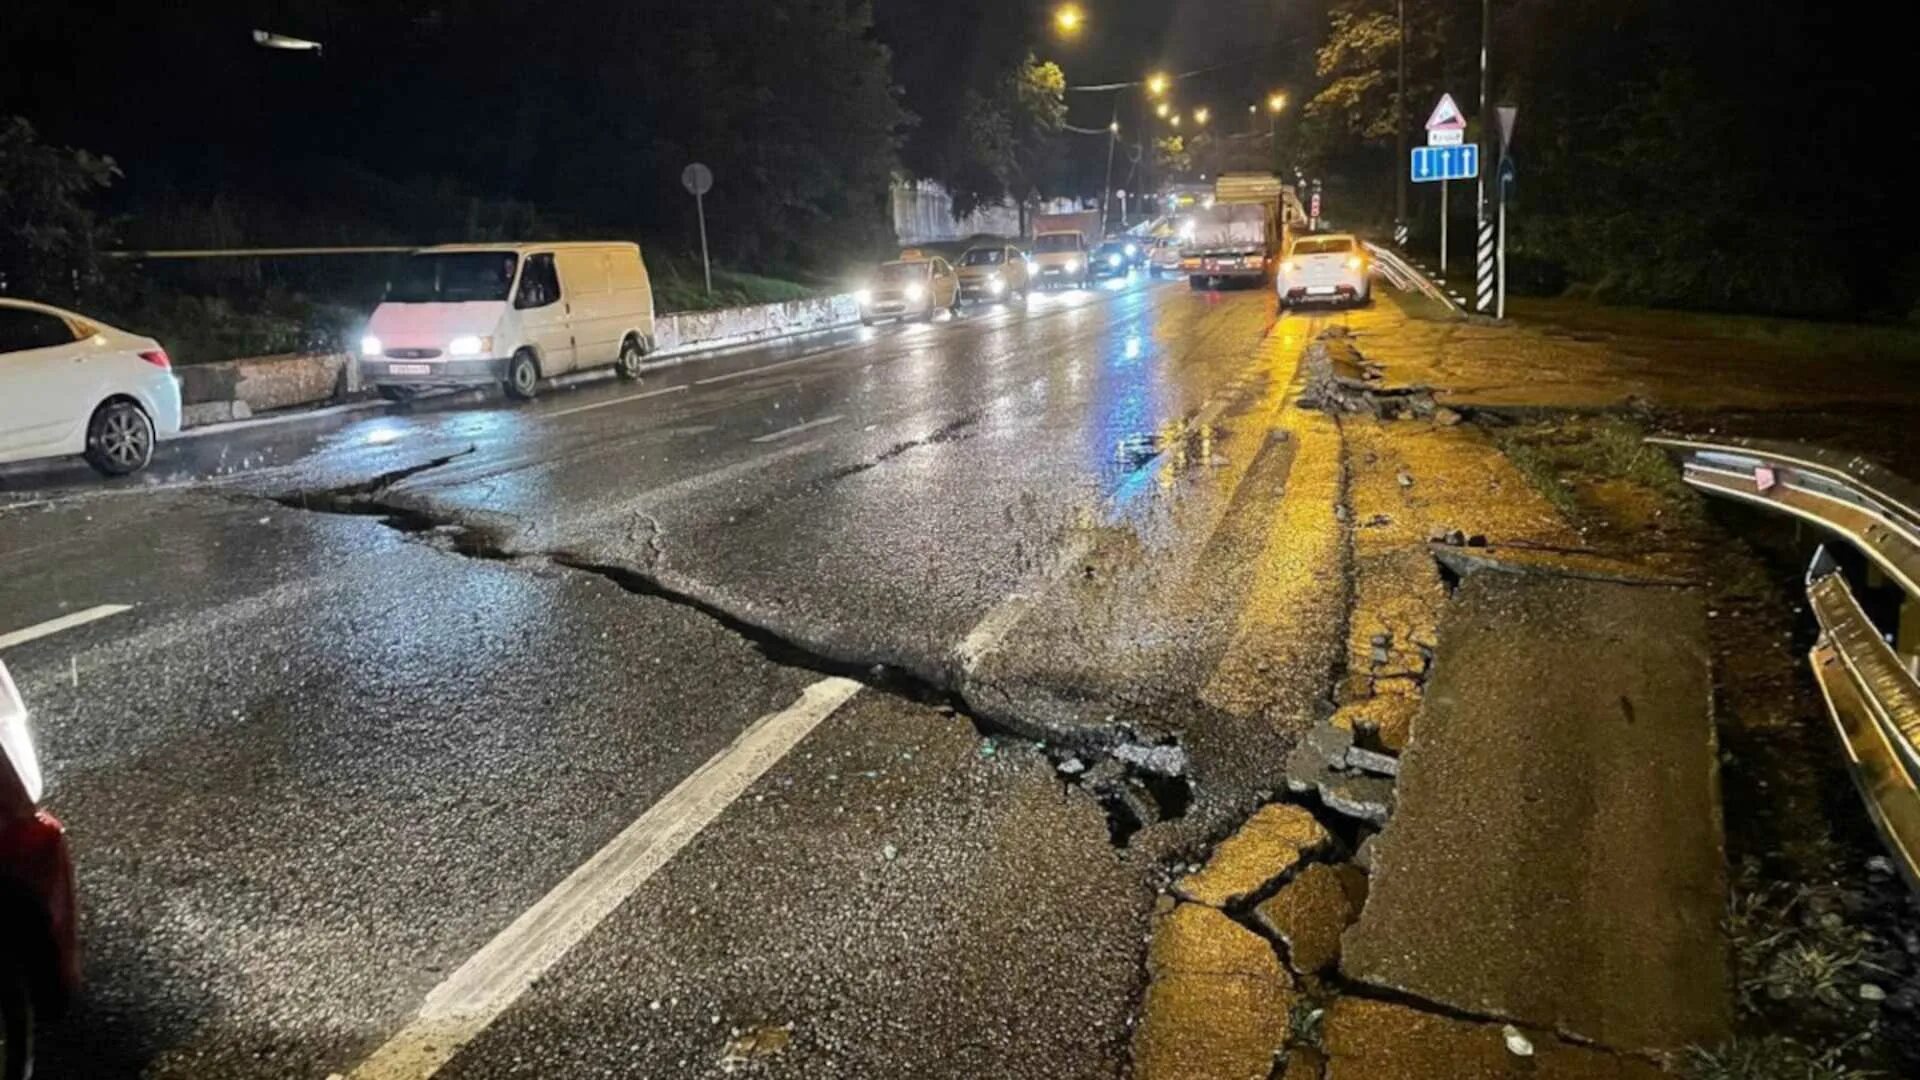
47,232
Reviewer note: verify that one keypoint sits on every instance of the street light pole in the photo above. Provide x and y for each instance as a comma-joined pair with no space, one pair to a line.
1400,165
1113,139
1483,240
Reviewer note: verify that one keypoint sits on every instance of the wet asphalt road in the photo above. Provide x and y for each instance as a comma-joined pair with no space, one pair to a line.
387,678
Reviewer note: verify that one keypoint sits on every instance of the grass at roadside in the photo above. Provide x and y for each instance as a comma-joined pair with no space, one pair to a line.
1580,315
678,285
1560,457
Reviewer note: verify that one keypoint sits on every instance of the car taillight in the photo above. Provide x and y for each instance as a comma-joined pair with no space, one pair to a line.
156,357
1354,263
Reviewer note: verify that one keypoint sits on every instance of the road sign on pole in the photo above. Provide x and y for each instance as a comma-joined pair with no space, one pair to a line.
1446,116
698,180
1436,163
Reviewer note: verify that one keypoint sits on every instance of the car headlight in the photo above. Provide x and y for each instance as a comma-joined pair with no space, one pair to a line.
16,738
863,297
997,283
1113,260
1072,265
370,346
470,345
1132,251
916,292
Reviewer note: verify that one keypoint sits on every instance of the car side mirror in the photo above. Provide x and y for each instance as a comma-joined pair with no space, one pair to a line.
20,784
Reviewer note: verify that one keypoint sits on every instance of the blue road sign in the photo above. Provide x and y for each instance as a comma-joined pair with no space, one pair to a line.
1433,163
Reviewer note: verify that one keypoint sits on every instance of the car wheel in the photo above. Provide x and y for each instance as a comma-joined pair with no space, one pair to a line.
523,376
401,394
16,1023
631,357
119,438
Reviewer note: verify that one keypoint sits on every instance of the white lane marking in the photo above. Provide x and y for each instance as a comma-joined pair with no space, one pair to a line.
642,395
474,996
796,429
64,622
764,368
993,628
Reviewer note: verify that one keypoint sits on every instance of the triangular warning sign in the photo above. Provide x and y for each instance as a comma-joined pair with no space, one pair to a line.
1446,116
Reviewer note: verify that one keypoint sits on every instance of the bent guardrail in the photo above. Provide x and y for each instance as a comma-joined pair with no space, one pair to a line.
1871,692
1402,275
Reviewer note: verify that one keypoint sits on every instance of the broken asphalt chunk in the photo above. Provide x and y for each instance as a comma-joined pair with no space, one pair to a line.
1277,838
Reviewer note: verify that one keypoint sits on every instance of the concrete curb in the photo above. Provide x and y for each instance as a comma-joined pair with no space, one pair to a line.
237,390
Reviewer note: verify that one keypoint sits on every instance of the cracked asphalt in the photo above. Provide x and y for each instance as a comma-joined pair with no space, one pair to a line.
387,678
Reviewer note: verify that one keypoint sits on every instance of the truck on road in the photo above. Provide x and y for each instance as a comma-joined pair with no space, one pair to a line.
1063,247
1241,234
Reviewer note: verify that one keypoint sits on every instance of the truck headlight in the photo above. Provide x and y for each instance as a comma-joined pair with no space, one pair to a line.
370,346
470,345
1072,265
916,292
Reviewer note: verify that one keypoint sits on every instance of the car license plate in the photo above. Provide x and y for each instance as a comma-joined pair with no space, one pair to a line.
408,369
1321,290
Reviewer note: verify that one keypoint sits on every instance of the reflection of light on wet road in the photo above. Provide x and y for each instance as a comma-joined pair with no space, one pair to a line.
1133,347
383,434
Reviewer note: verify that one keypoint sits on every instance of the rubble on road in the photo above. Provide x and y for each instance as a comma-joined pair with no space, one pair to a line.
1322,765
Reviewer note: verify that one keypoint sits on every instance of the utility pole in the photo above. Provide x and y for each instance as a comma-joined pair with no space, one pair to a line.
1113,139
1400,136
1483,241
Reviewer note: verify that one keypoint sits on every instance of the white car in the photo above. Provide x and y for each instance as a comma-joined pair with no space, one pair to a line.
70,384
1326,267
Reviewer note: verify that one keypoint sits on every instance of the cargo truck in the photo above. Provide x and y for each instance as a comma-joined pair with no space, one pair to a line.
1240,236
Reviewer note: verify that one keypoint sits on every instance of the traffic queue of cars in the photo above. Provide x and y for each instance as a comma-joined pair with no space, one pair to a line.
917,286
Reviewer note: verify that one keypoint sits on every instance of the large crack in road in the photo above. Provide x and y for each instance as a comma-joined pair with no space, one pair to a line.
1137,780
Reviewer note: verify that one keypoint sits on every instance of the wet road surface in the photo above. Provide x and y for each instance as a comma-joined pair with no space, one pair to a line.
385,682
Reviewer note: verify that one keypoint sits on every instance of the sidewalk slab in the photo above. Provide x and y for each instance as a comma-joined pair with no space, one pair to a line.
1556,856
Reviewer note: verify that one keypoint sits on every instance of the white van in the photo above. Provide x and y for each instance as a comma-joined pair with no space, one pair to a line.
513,314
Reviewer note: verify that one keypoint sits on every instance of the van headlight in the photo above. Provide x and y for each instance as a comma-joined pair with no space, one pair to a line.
916,292
863,297
470,345
370,346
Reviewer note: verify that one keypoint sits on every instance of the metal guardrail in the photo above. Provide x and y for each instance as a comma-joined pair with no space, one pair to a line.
1404,276
1871,691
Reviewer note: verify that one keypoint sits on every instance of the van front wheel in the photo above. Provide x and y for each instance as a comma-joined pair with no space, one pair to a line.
631,356
523,376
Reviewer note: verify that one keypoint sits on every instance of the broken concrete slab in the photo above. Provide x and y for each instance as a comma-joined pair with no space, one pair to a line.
1589,565
1194,939
1202,1027
1310,913
1320,765
1385,719
1375,1040
1271,843
1556,855
1218,1002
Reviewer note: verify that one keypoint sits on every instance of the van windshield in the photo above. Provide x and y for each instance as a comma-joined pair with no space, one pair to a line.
453,277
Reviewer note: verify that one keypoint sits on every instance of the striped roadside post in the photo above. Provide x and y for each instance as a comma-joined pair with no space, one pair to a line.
1483,267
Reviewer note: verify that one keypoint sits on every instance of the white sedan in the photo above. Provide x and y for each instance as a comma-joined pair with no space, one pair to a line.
1328,267
70,384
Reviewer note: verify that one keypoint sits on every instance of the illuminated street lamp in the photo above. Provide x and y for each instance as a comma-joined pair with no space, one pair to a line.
1161,110
1176,119
1276,101
1156,84
1069,19
1200,116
